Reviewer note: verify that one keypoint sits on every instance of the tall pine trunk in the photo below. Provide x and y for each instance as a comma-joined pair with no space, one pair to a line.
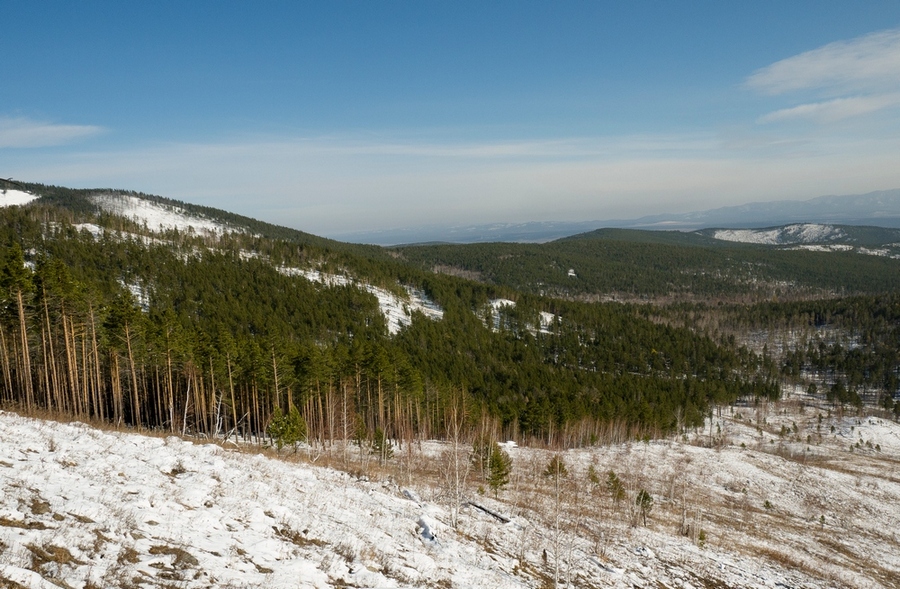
25,378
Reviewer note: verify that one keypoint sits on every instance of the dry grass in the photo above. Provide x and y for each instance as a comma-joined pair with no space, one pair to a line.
39,507
12,523
182,558
10,584
296,538
128,555
44,555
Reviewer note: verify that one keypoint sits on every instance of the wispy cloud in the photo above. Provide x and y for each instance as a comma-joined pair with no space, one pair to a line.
834,110
24,132
867,63
838,81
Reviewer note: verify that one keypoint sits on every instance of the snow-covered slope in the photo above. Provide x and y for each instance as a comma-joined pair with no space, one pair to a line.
791,234
807,236
82,508
158,217
15,197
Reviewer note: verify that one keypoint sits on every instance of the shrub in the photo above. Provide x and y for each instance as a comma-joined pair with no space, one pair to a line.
286,430
644,502
499,467
615,487
556,468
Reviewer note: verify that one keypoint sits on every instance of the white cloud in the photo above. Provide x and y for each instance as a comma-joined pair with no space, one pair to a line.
834,110
865,64
23,132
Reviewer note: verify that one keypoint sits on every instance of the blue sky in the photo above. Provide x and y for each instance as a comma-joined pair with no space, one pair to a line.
336,117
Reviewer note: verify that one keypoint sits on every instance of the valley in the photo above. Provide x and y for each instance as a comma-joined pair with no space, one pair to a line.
191,398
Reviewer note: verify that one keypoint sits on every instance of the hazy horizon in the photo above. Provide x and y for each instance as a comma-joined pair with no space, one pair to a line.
341,118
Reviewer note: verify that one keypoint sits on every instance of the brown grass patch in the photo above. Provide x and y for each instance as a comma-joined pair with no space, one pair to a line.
129,555
58,554
183,558
39,507
10,584
296,538
786,561
13,523
81,518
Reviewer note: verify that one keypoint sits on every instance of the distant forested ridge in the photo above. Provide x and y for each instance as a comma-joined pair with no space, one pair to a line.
634,265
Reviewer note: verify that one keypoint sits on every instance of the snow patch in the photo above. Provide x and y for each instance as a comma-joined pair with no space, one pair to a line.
397,311
95,230
10,198
838,247
882,252
545,319
140,294
159,217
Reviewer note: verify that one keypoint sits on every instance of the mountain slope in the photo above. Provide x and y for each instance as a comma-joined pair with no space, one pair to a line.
160,213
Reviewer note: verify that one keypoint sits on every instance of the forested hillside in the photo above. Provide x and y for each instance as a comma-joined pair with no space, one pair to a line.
847,350
208,332
665,266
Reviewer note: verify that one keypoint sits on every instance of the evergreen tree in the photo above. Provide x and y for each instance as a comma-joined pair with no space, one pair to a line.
286,430
500,466
644,503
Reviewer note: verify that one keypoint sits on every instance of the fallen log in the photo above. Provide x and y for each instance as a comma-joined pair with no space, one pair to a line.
490,512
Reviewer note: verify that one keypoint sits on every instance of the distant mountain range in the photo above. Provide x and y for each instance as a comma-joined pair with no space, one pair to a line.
880,209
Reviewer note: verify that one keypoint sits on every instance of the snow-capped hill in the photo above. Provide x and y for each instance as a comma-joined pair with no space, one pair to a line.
159,217
10,198
806,233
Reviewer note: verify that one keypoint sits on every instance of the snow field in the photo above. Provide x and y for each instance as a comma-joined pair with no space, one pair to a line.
128,507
